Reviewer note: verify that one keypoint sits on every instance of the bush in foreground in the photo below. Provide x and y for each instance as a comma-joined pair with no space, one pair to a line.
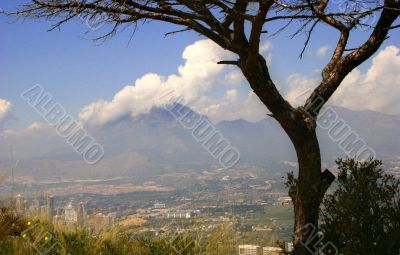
363,215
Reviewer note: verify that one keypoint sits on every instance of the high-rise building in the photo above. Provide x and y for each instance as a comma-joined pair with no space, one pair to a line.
19,203
81,215
35,207
50,207
70,215
247,249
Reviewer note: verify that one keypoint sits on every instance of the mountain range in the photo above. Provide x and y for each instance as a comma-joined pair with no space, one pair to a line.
155,143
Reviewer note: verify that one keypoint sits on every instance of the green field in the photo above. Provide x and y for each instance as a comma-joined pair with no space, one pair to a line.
279,218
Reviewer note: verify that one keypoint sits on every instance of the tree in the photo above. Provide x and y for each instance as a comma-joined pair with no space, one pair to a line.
362,215
237,28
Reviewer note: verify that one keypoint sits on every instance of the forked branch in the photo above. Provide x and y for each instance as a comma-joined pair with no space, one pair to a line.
238,25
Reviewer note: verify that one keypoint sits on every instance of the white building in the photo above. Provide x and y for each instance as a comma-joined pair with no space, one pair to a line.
159,206
247,249
35,207
81,215
272,251
289,247
70,215
179,215
19,203
284,200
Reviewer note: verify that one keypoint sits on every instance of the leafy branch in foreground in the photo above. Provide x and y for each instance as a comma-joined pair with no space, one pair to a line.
362,215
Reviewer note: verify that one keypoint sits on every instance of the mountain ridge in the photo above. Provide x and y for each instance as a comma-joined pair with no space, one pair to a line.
155,142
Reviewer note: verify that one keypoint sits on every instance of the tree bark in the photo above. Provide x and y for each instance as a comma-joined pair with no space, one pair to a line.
300,126
308,191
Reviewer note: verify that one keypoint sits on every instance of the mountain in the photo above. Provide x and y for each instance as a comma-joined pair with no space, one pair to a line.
156,143
380,131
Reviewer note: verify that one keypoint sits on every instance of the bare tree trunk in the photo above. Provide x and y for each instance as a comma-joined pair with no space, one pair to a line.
311,185
309,188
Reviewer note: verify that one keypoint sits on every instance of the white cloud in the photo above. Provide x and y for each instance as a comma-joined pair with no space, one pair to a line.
253,109
34,126
197,76
234,77
322,51
234,105
265,46
198,82
5,114
5,107
297,88
218,109
377,89
221,92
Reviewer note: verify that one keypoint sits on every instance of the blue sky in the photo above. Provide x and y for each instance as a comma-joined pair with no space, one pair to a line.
78,72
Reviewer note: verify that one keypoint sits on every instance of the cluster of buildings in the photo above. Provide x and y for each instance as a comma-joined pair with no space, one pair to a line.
162,210
69,216
37,207
181,214
248,249
284,201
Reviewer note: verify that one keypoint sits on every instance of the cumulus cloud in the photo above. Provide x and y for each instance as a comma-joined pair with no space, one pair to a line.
218,91
265,46
234,77
214,109
253,109
234,105
5,113
265,50
5,107
377,89
297,88
197,76
34,126
322,51
197,82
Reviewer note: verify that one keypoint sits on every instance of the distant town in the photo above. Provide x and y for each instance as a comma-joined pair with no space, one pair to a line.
254,202
257,206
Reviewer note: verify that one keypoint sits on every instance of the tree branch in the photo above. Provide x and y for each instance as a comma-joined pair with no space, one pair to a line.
225,22
256,30
339,66
228,62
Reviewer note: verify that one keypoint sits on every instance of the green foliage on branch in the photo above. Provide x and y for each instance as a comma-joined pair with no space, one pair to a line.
363,215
